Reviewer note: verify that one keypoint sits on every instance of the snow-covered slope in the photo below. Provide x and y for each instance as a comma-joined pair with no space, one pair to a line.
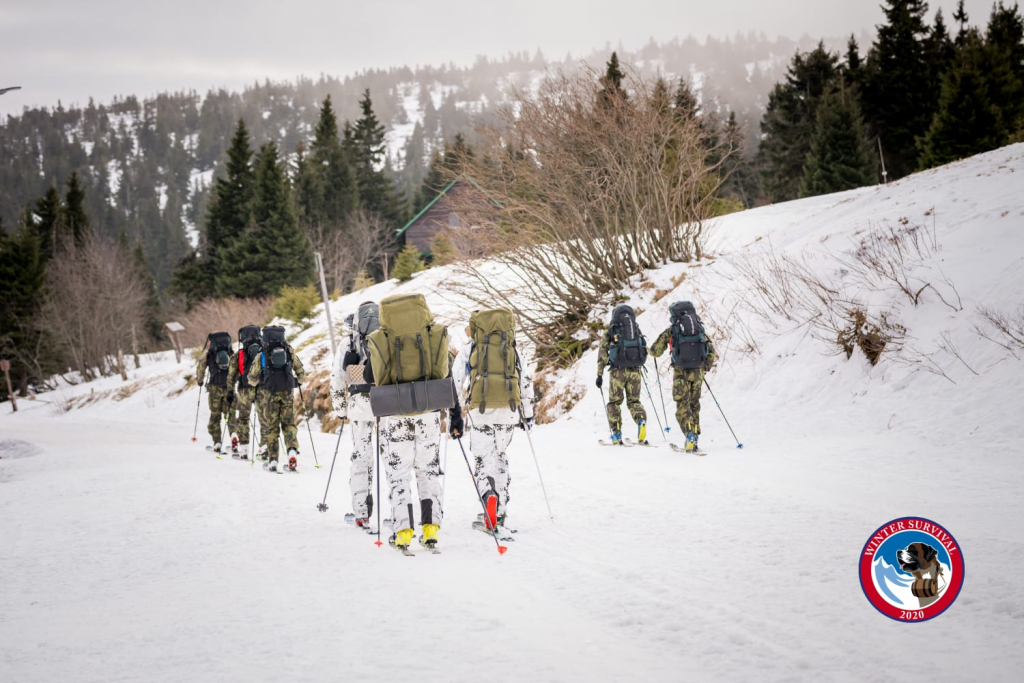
129,553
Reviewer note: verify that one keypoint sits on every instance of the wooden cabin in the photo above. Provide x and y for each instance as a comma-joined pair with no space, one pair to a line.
440,213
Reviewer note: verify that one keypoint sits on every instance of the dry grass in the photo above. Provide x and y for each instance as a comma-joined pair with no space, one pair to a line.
553,403
662,293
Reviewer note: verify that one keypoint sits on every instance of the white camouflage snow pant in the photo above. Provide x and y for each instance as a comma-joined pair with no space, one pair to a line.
360,474
489,443
412,444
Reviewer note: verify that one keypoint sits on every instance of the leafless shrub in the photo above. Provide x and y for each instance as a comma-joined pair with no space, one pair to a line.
948,346
1005,330
223,315
350,249
594,189
316,391
95,296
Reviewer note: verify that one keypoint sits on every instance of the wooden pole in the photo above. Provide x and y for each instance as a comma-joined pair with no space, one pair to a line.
327,301
135,347
5,365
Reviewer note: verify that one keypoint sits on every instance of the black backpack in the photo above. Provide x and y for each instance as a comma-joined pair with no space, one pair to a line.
250,344
689,343
218,357
277,360
628,348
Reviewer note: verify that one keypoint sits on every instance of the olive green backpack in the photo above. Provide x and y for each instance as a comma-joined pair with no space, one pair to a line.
493,362
408,347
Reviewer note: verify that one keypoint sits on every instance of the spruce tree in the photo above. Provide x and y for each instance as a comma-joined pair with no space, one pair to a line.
22,277
939,50
852,67
897,97
961,18
409,261
272,252
967,122
74,212
49,222
230,205
790,120
376,191
1004,69
333,189
611,82
841,157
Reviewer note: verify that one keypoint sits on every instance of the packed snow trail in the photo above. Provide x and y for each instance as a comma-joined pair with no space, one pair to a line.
131,553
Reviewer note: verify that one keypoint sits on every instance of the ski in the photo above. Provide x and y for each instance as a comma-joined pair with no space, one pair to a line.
404,551
350,518
609,443
481,527
431,547
648,444
680,449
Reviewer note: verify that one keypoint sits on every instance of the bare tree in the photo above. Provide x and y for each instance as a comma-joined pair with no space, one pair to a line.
223,315
593,190
348,250
94,296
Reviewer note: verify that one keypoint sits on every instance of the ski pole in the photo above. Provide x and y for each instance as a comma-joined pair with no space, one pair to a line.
308,430
444,471
529,439
738,444
377,474
654,407
469,468
199,400
322,507
664,411
604,404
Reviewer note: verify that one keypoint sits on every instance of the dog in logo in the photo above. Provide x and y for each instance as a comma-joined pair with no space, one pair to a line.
921,559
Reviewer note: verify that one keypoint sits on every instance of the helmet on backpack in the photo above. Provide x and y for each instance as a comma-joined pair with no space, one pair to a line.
218,356
627,348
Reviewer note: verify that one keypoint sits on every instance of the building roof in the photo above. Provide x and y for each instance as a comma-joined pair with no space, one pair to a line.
443,193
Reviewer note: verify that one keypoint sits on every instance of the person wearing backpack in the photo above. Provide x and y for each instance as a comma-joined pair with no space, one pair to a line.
410,351
693,354
240,395
350,393
217,361
624,349
497,393
277,375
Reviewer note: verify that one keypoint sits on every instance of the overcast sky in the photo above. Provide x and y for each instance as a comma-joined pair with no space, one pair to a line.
73,49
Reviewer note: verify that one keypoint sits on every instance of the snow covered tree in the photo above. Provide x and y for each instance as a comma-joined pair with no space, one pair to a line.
841,157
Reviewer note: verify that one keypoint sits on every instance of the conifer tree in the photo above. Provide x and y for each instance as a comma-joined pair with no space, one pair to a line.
1004,69
49,222
22,276
409,261
376,191
333,188
74,212
939,51
961,18
967,122
896,96
685,103
272,252
230,205
852,67
841,157
611,82
790,120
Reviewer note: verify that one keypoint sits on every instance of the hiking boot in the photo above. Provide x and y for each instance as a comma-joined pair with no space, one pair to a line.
616,438
273,465
691,441
429,537
642,434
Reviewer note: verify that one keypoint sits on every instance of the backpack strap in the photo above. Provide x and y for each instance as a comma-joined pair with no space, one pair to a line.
483,364
398,357
504,366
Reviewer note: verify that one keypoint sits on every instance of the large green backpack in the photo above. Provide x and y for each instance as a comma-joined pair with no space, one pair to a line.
493,363
408,347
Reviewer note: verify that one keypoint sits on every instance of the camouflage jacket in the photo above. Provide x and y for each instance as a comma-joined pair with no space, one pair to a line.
664,340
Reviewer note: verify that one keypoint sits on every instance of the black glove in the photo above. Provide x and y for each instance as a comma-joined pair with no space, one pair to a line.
351,358
231,397
600,380
368,373
526,423
455,423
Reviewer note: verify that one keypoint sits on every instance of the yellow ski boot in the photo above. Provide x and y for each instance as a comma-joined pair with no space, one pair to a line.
402,539
642,435
429,537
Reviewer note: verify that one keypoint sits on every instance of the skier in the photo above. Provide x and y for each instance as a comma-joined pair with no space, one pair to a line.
240,395
409,347
216,360
497,393
277,375
693,354
350,393
625,350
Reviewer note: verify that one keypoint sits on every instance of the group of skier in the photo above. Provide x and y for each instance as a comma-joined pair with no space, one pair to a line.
397,380
263,372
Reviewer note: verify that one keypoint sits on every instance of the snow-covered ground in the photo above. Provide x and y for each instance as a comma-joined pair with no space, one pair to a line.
130,553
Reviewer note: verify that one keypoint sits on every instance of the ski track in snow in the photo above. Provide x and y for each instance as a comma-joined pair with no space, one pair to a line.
129,553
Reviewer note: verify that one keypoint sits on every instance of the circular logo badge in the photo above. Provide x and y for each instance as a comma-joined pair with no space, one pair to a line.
911,569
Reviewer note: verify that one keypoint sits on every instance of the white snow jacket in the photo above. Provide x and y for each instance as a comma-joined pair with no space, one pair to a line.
355,406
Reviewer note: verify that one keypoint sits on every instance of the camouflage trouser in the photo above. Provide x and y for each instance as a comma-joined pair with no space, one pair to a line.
241,413
624,383
686,393
412,444
489,444
360,474
277,416
218,411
